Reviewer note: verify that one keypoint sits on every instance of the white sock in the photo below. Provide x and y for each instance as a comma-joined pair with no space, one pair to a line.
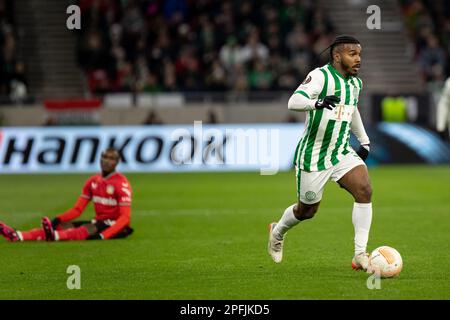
287,221
19,234
361,218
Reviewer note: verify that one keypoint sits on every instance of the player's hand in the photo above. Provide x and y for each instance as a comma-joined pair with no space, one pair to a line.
363,151
328,102
55,223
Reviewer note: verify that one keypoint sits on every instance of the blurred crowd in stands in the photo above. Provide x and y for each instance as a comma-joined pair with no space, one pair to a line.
428,26
211,45
200,45
13,84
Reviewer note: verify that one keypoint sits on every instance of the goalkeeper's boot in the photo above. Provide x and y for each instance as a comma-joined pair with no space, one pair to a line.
48,229
361,261
275,246
9,233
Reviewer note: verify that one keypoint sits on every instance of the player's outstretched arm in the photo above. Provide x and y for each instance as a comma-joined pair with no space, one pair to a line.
74,212
306,96
298,102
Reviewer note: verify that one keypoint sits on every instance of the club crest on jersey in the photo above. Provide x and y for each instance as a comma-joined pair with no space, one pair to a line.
93,185
109,189
307,80
310,195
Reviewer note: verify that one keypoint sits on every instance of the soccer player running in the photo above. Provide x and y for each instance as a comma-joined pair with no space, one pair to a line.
111,193
329,95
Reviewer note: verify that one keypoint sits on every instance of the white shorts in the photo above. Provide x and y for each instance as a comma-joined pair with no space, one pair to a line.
310,185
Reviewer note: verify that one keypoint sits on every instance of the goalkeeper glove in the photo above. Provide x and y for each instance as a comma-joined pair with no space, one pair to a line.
363,151
328,102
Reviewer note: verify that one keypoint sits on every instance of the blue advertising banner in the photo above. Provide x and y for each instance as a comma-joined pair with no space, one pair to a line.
264,147
267,148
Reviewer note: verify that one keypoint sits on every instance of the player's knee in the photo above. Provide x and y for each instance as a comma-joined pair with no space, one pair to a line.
364,193
309,214
306,211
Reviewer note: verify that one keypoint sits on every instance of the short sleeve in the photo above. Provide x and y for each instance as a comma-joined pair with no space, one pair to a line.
312,86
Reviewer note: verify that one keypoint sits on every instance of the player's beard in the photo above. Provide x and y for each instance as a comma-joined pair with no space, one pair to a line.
350,69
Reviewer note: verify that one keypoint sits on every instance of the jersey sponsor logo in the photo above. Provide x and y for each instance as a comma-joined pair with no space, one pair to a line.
105,201
307,80
124,184
343,112
109,189
310,195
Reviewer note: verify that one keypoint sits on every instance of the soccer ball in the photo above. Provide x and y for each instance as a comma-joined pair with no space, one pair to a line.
385,261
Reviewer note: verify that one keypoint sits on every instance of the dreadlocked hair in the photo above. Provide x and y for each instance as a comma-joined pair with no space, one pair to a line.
340,40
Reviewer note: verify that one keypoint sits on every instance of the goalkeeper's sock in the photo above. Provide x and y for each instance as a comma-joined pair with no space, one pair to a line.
37,234
361,218
287,221
80,233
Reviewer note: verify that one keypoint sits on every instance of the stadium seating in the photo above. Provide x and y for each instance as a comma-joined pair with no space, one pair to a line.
13,82
428,26
152,46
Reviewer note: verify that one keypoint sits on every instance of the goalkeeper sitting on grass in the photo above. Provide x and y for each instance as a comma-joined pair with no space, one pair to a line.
111,193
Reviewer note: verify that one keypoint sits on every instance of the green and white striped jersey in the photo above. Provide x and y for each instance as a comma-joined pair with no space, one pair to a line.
325,140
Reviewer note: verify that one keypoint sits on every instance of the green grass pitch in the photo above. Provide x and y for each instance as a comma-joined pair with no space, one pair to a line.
204,236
